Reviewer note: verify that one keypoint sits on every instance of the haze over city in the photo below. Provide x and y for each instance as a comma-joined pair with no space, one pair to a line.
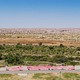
39,13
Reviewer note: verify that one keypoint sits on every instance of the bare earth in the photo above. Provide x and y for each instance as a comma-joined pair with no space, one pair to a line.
37,41
67,37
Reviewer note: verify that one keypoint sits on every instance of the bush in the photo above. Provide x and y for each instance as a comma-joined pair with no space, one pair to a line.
51,47
1,47
78,48
0,56
14,58
28,47
61,45
40,43
19,45
60,59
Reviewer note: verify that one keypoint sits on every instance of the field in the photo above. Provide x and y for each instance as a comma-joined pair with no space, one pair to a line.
41,76
37,41
39,46
39,55
67,37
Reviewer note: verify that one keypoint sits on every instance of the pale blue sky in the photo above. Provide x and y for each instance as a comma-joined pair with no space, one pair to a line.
39,13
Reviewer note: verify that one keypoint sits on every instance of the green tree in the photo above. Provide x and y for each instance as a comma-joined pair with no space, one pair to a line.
14,58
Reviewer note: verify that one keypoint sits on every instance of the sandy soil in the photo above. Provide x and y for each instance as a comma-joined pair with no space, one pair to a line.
36,41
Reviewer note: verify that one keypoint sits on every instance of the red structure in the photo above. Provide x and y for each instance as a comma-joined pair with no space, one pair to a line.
21,68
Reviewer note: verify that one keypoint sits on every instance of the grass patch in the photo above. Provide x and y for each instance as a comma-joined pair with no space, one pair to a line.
45,77
10,77
53,78
71,75
38,76
5,75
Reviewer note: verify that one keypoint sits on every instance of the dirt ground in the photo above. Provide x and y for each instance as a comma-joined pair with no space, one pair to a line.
37,41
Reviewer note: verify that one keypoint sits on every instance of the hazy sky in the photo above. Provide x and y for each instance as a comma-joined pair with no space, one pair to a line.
40,13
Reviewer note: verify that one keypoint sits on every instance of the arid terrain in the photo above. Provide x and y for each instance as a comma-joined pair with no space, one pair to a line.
68,37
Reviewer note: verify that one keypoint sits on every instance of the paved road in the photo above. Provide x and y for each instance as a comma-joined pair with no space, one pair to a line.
38,71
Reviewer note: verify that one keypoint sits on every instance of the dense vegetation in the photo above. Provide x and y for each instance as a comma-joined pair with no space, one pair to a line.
39,54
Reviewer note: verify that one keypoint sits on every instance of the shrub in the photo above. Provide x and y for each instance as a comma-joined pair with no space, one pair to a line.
14,58
1,47
61,45
40,43
19,45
